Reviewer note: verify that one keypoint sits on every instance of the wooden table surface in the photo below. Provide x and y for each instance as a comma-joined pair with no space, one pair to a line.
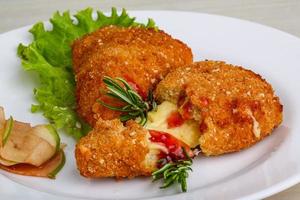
281,14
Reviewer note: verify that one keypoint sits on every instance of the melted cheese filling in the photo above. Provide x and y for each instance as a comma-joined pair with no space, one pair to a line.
188,132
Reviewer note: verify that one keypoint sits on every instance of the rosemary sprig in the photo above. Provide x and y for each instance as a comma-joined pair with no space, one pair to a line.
174,172
135,106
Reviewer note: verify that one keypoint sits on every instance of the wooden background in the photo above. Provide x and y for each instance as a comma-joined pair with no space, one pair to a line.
281,14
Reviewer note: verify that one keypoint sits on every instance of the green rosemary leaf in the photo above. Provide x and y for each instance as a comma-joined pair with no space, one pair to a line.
143,119
127,86
109,81
113,95
134,114
120,95
183,184
135,97
161,170
127,107
124,118
174,172
135,106
167,183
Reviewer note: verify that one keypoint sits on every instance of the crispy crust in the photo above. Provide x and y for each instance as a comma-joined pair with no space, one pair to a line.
142,56
229,99
112,150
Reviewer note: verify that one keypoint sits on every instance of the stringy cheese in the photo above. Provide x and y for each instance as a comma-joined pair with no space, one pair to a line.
256,127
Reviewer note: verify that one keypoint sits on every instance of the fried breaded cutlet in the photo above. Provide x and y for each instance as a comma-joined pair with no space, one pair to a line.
115,150
139,55
235,107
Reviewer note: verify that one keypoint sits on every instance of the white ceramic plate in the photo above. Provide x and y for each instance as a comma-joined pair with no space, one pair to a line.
268,167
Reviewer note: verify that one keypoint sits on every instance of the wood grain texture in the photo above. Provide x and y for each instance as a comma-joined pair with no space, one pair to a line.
280,14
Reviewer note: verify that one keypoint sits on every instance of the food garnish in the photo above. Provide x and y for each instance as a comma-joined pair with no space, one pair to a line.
134,105
49,55
174,172
48,169
27,150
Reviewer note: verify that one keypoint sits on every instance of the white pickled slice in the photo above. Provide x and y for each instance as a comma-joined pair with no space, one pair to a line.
49,134
29,145
7,162
48,169
16,149
42,152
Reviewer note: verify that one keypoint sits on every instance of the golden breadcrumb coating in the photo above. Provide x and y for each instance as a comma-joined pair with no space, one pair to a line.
141,56
237,107
114,150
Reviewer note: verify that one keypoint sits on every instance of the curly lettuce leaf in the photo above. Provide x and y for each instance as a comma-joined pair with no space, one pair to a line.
49,55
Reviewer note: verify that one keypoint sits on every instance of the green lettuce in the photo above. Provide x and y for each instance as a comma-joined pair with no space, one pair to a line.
49,55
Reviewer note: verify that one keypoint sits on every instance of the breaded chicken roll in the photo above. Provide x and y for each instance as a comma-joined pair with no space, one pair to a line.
234,107
114,150
141,56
